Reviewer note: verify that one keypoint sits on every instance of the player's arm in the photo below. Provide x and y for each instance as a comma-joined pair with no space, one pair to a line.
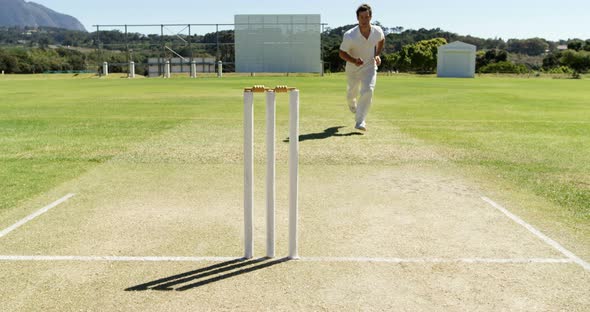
378,50
347,57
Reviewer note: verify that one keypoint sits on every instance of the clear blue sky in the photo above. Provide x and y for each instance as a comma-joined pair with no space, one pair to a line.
504,19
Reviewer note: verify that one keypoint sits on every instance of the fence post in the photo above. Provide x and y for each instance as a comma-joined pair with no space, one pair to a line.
132,69
167,70
194,69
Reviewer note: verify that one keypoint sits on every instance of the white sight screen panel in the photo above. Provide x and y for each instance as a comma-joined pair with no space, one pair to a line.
278,43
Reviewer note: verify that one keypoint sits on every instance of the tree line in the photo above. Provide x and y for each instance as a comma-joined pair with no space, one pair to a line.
35,50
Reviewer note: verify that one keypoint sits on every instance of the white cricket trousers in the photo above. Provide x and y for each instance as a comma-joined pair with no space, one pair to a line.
361,79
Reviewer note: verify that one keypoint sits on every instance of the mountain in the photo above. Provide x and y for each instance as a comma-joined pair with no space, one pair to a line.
21,13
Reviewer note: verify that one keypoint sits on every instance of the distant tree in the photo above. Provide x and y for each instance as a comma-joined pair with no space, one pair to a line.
44,42
496,43
578,61
8,62
143,46
395,41
73,38
111,40
421,56
390,61
478,42
333,62
42,60
575,45
561,70
530,61
497,55
484,58
331,39
396,29
24,60
504,68
73,60
533,46
226,49
551,61
480,59
587,45
8,36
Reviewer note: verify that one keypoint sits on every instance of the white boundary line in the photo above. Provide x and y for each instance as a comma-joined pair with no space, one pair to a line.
434,260
36,214
115,258
302,259
571,258
540,235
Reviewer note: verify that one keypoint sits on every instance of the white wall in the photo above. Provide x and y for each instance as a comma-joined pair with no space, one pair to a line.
278,43
456,59
456,64
204,65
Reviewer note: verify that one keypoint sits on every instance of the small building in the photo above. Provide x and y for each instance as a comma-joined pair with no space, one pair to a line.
456,59
562,47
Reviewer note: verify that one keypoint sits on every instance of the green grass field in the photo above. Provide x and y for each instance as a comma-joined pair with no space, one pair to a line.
392,219
530,133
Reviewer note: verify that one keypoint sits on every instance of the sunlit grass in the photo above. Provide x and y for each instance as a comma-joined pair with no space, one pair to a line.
533,133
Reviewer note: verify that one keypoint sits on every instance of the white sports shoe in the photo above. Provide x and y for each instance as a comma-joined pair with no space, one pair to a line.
361,127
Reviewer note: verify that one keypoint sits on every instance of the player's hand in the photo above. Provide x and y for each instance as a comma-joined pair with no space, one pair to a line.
359,62
378,60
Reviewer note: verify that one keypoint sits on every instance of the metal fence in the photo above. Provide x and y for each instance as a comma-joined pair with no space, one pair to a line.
189,42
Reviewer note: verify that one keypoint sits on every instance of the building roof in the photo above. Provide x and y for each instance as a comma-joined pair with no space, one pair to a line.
457,46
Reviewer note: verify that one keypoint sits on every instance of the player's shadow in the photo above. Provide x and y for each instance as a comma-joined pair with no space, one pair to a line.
203,276
328,133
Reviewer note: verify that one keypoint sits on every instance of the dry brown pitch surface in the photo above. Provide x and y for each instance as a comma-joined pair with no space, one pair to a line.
395,228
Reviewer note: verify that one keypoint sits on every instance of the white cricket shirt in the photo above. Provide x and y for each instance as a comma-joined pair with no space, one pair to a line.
357,46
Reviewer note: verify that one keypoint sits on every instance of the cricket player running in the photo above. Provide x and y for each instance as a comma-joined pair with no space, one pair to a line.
360,48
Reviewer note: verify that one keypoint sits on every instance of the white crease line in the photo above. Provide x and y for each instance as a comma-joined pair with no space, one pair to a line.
540,235
434,260
36,214
115,258
302,259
